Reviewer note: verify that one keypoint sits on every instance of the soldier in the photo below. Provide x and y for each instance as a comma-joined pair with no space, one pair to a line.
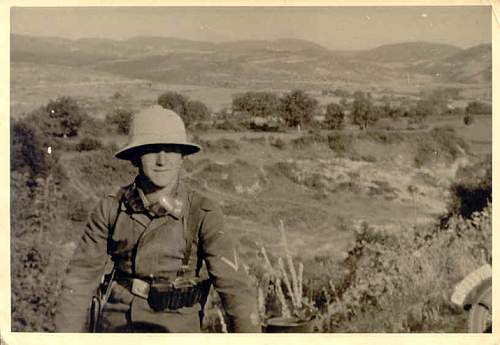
162,244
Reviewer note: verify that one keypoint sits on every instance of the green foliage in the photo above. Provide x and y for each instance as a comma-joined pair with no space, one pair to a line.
190,111
334,116
341,143
297,108
468,119
476,107
39,254
29,151
472,189
88,144
276,142
383,136
362,110
93,127
442,142
260,104
401,283
174,101
196,111
60,118
121,119
423,109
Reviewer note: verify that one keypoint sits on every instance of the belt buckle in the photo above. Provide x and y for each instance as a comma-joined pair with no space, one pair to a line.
140,288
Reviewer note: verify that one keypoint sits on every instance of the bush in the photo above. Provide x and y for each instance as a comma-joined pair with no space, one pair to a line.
383,137
121,119
362,110
401,282
476,107
468,119
220,145
196,111
93,127
340,143
297,108
88,144
60,118
29,151
442,142
258,104
334,116
190,111
276,142
473,188
174,101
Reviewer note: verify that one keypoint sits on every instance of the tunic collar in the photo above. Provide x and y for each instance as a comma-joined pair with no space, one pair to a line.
136,201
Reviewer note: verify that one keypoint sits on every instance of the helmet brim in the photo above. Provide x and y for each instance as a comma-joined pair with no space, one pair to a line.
132,151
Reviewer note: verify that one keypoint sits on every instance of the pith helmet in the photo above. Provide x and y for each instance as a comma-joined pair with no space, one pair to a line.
156,125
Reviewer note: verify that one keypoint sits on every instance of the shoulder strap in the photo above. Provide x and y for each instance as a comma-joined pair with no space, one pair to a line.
115,209
190,222
112,219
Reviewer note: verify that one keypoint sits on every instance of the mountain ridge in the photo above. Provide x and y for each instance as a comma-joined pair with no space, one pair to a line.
179,60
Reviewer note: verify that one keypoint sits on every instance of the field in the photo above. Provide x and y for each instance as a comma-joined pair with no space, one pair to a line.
349,200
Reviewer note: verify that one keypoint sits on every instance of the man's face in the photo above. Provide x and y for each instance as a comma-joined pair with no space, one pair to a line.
161,164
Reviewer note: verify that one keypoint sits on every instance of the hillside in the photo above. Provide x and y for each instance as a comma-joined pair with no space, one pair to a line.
472,65
281,63
408,52
360,217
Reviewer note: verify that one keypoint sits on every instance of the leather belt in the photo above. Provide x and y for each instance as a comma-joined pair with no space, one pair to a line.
167,295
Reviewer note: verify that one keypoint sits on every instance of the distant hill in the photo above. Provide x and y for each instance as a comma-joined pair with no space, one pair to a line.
472,65
266,63
408,52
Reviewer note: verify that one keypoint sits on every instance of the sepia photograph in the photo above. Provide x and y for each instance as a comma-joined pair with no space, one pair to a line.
251,169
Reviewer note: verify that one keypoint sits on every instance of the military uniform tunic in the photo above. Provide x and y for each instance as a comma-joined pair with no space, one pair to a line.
150,247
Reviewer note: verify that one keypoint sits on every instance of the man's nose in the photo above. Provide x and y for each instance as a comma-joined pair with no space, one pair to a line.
161,158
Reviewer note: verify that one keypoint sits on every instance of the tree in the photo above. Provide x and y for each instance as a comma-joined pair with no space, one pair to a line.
468,119
190,111
261,104
334,116
476,107
195,111
297,108
28,150
423,109
60,118
121,118
362,110
174,101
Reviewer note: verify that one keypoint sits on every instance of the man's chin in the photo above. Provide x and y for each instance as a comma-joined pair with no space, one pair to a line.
162,183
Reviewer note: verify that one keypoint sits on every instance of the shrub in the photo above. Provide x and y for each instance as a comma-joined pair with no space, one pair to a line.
297,108
468,119
476,107
60,118
383,137
190,111
88,144
121,119
401,282
340,143
277,142
362,110
334,116
220,145
29,151
174,101
258,104
442,142
473,188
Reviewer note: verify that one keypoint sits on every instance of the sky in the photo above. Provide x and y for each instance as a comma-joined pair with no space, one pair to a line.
342,28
